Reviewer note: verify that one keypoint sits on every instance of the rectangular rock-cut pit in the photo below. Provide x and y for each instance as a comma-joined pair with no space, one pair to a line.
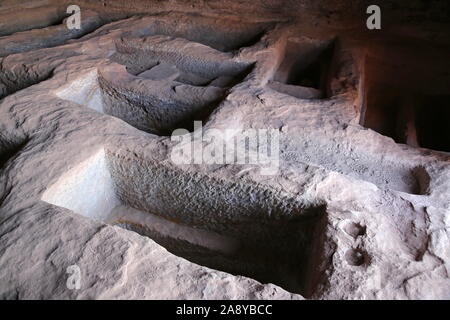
240,228
304,69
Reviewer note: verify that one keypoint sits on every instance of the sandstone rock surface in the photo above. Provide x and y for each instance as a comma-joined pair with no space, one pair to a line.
86,176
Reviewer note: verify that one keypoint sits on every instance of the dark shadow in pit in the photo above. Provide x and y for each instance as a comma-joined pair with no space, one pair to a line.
281,252
423,180
188,123
305,68
314,74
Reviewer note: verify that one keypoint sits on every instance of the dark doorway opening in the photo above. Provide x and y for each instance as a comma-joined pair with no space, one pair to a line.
433,123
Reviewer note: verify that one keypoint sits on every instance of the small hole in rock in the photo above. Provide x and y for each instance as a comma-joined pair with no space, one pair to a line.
355,257
354,229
